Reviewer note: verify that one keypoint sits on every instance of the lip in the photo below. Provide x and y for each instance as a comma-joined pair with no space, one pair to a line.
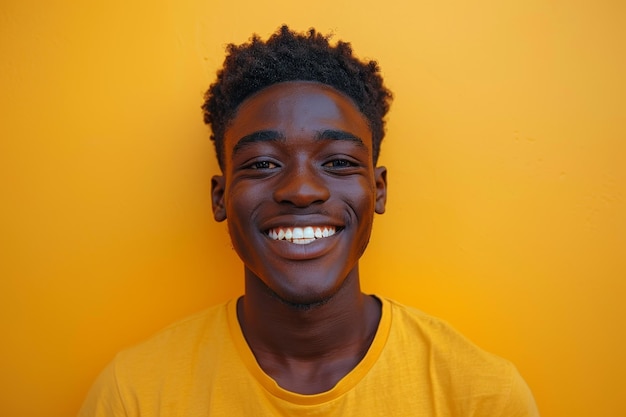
293,251
310,251
295,234
300,221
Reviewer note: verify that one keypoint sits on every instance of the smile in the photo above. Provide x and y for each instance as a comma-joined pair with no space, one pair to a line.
301,235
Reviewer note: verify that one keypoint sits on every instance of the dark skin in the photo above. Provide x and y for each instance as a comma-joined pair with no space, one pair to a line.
297,157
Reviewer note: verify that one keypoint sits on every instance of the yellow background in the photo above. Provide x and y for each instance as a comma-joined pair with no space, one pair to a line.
506,153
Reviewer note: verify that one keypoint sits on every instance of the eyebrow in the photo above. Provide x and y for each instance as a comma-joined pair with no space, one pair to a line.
276,136
258,136
330,134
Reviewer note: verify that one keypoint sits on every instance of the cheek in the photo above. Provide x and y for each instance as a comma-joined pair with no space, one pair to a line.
240,201
239,206
242,238
362,198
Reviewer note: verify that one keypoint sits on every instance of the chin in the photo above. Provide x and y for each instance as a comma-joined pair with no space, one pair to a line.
305,305
307,298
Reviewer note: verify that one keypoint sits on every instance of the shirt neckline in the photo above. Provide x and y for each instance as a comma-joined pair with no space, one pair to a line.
344,385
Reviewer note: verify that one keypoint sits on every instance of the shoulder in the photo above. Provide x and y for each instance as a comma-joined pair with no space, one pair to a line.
426,335
177,341
424,331
162,365
458,369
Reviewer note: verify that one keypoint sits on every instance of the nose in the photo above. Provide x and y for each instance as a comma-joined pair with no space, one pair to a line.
301,187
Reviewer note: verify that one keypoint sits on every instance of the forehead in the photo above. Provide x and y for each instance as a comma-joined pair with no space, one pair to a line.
297,109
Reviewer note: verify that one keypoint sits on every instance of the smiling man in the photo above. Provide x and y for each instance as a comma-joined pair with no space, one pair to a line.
297,125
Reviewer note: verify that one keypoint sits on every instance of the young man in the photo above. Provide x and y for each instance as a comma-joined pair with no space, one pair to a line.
297,125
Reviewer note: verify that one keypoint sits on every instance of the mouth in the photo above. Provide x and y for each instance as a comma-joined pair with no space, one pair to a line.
301,235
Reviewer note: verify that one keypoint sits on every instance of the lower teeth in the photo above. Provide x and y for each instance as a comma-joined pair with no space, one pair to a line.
302,241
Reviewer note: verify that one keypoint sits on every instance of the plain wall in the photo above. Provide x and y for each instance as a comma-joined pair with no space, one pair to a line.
505,146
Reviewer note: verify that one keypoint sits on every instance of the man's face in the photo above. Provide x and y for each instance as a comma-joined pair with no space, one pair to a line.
299,189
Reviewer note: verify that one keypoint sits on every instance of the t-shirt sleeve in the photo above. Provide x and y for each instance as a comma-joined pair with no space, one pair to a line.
104,399
520,401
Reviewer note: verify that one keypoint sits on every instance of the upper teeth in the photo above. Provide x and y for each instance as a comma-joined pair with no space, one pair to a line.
301,235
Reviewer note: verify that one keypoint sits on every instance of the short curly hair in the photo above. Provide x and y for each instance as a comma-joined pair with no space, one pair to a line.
292,56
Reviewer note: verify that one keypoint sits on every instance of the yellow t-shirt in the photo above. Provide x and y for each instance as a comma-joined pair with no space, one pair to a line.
417,365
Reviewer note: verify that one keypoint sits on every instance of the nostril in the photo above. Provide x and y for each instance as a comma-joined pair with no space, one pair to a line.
301,190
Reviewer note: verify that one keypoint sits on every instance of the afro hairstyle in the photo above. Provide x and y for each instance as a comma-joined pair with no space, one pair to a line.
291,56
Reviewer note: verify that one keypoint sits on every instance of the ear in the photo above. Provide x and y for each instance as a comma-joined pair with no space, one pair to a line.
380,176
217,197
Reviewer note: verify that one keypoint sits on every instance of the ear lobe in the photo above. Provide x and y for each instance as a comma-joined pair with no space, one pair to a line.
217,197
380,176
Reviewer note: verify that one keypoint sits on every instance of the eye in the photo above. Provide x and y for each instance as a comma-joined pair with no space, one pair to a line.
262,165
339,163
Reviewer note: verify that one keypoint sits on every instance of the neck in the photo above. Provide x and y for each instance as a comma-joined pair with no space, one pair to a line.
294,343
